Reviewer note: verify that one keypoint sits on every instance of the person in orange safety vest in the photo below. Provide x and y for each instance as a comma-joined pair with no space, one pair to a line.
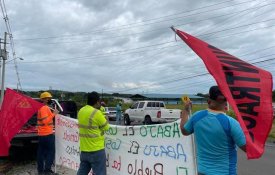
46,140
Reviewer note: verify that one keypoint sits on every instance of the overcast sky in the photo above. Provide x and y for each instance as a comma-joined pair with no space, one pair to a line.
127,46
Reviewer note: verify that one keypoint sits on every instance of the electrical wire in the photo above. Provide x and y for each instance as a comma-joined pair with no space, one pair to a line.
109,54
179,79
131,25
8,27
134,48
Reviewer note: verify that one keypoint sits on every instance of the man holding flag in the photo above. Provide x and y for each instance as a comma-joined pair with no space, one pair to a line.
247,88
216,136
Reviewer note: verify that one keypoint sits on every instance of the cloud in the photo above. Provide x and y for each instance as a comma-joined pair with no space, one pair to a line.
83,45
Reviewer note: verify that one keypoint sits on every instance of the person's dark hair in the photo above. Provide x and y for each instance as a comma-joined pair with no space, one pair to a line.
93,98
216,94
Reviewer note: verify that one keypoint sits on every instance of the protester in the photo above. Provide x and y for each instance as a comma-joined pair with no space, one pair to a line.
92,125
216,136
46,140
118,113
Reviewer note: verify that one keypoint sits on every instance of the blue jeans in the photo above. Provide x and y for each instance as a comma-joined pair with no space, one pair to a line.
92,160
45,153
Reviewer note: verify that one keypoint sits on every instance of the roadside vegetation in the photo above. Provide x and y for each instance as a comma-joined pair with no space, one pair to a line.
80,99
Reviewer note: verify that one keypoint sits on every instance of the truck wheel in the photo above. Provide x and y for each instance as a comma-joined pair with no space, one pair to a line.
147,120
127,120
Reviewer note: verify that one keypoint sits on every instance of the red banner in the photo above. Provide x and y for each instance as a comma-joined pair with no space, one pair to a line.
247,88
16,110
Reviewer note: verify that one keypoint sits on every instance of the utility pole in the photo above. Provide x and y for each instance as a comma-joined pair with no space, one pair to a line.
4,57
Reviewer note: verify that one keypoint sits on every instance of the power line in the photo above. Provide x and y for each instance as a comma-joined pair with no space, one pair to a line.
186,85
179,79
211,33
110,54
8,27
187,11
243,12
187,77
241,32
256,51
125,35
192,76
114,29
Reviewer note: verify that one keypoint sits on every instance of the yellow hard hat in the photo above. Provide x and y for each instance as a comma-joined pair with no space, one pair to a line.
45,95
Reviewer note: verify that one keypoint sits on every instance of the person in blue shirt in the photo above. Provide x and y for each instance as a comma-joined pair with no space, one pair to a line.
118,113
216,136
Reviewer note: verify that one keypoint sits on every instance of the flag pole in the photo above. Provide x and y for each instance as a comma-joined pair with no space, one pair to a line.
190,113
173,28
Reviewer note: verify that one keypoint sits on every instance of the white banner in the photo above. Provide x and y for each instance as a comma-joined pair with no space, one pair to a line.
131,150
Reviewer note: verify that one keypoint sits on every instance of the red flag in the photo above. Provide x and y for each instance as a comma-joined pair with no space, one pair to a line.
16,110
247,88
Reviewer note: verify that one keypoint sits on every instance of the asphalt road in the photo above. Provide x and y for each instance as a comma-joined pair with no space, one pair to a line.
263,166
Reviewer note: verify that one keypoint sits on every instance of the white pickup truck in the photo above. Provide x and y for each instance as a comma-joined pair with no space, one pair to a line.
149,112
